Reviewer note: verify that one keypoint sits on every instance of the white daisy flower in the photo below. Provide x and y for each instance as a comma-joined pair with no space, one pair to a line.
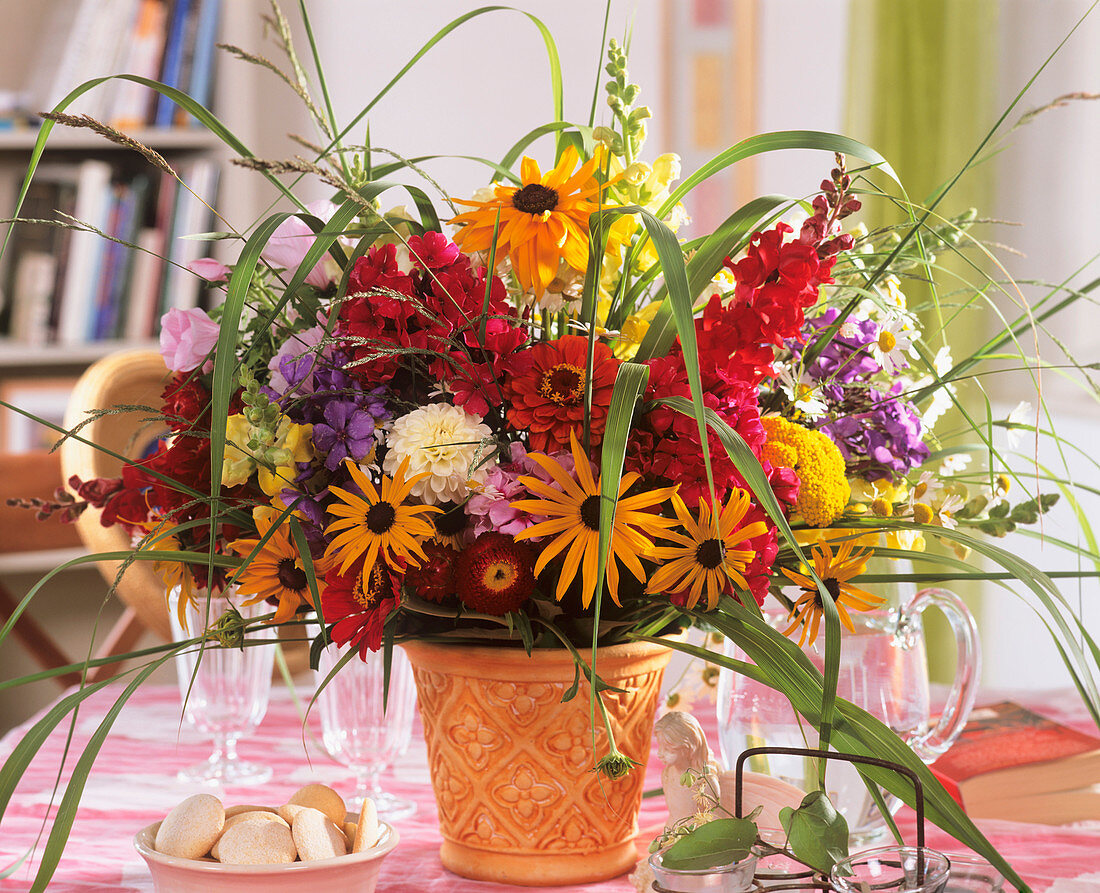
954,463
945,510
800,391
890,346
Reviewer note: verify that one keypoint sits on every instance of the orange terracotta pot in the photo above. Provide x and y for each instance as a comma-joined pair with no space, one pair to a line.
512,766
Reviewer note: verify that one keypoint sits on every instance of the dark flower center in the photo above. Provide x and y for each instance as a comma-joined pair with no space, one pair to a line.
452,521
832,586
563,384
291,576
534,198
380,517
590,513
710,553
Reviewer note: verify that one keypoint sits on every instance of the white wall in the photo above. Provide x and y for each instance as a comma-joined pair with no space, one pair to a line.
484,85
1050,182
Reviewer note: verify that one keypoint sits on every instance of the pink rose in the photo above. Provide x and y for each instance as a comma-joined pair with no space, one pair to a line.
293,238
210,269
186,337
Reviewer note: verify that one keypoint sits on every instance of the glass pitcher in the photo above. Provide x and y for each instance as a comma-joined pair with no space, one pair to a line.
884,670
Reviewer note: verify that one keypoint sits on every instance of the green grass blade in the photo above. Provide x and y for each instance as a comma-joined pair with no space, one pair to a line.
772,142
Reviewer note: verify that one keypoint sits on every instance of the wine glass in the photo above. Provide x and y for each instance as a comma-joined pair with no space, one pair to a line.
357,732
224,692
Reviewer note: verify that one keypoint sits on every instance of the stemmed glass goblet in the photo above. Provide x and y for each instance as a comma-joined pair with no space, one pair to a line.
224,691
354,728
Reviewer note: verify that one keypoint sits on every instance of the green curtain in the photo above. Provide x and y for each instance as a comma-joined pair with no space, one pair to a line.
922,90
922,80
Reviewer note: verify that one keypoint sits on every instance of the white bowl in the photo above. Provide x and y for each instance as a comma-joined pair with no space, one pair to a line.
353,873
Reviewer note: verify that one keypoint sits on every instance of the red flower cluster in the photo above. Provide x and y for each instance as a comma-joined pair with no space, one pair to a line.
665,443
434,580
436,303
186,403
546,386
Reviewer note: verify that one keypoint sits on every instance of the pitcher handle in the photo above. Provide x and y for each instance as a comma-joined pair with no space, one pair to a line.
968,671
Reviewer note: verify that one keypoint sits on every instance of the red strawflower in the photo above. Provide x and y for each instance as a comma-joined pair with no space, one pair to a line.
495,575
546,388
357,608
434,580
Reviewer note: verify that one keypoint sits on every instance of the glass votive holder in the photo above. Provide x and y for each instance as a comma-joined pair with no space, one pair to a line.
972,874
892,869
734,878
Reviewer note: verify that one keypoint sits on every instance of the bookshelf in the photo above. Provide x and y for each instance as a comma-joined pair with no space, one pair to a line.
70,298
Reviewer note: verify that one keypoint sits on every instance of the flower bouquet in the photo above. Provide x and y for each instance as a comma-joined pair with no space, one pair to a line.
541,423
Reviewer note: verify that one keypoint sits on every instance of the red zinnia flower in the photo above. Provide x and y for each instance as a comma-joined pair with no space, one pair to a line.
359,608
496,574
546,389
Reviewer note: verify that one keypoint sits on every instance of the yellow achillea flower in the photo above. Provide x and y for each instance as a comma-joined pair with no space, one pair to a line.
834,571
824,489
542,222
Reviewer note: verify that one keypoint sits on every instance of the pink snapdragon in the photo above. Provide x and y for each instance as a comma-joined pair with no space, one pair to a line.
186,337
292,239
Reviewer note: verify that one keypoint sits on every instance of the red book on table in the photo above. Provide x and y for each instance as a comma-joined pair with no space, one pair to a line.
1012,763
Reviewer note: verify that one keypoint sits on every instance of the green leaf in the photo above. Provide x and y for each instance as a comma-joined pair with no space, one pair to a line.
816,833
711,845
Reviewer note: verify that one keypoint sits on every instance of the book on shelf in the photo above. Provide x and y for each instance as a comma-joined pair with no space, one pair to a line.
191,216
86,250
172,66
132,101
201,84
167,40
1012,763
36,255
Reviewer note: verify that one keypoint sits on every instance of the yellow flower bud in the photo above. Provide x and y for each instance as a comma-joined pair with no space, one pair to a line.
882,507
238,463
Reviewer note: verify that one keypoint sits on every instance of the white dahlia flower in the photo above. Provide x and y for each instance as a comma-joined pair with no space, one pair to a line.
445,441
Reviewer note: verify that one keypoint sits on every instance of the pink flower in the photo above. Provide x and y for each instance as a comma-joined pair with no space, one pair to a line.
293,238
491,510
186,337
210,269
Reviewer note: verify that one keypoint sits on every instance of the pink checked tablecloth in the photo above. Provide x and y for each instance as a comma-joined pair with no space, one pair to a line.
133,784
